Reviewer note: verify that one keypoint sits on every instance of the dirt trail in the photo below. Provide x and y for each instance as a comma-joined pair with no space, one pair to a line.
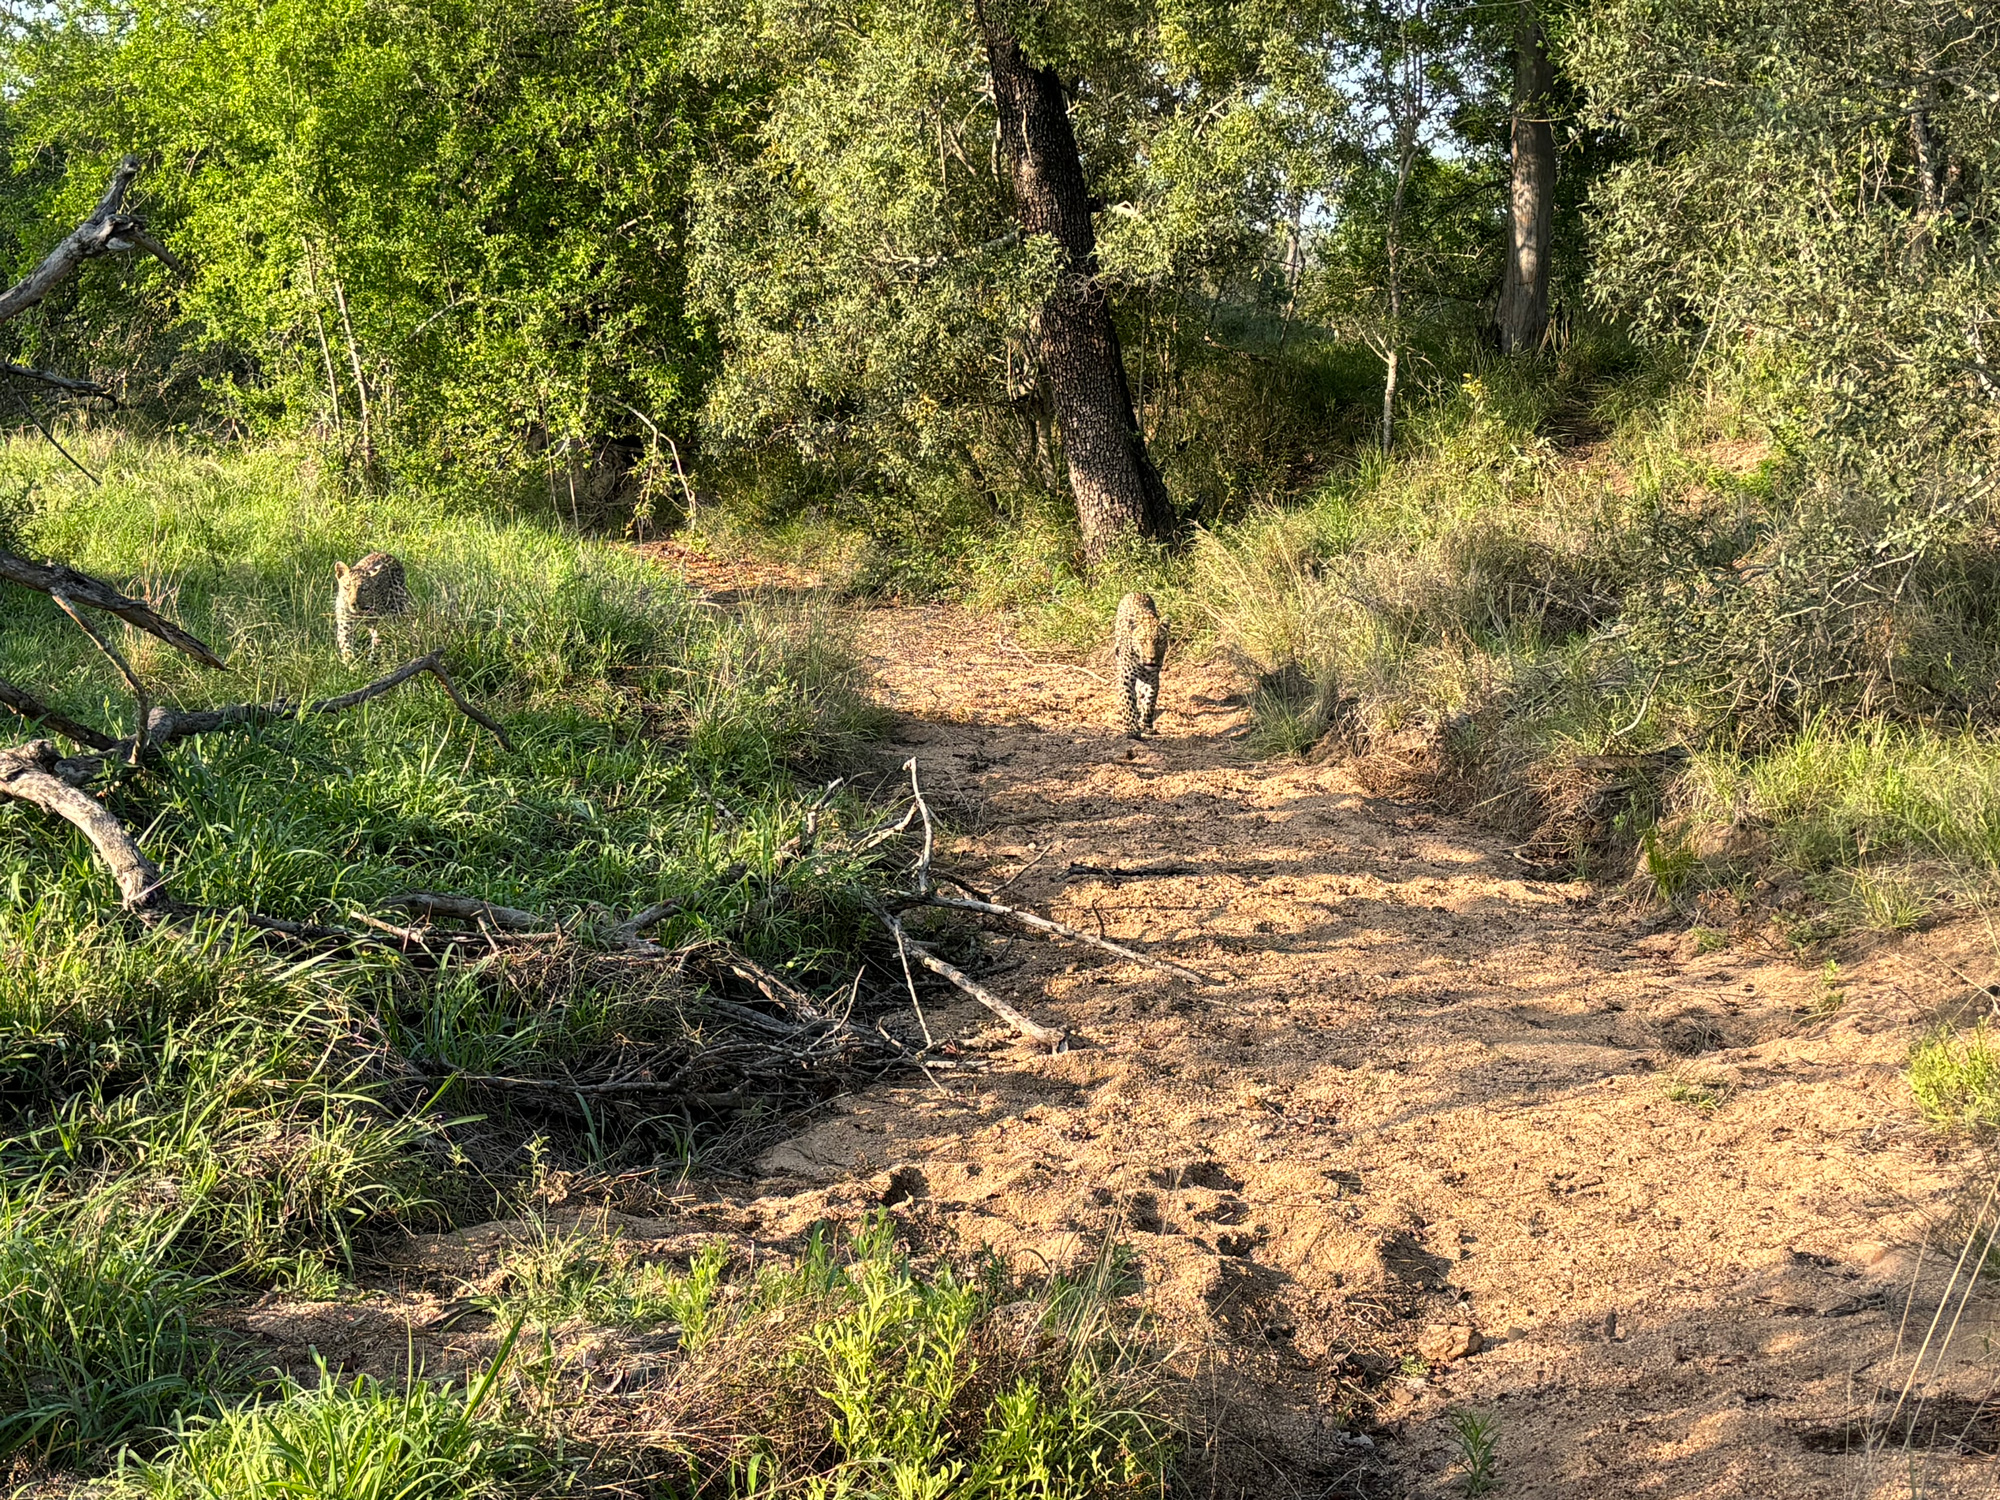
1429,1094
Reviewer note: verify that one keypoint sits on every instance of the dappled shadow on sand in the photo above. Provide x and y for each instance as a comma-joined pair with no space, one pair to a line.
1426,1092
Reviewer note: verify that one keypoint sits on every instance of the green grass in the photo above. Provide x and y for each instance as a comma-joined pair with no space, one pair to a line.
847,1372
188,1115
1955,1076
354,1439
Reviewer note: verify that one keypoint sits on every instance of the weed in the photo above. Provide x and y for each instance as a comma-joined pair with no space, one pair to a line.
1670,861
1955,1076
1475,1434
1709,939
1704,1094
1831,994
347,1438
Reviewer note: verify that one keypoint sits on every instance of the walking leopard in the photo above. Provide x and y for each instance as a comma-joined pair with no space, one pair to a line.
1139,646
366,596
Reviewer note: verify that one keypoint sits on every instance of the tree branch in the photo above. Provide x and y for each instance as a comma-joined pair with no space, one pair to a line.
144,710
33,773
61,382
106,230
30,707
81,588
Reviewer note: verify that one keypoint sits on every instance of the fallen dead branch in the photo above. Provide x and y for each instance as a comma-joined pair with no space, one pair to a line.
1062,930
55,580
34,773
1049,1036
466,909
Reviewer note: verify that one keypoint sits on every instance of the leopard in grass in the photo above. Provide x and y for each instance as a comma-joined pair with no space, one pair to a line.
366,597
1139,646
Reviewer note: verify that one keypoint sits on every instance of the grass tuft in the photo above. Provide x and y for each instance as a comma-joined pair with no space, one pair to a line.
1955,1076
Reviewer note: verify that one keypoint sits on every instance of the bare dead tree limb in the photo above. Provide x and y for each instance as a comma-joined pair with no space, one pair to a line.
106,231
66,383
466,909
31,773
1048,1036
143,701
1062,930
30,707
95,593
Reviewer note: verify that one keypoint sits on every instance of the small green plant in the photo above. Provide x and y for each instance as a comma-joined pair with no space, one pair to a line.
1704,1094
1831,994
660,1294
345,1439
1670,861
1475,1434
1709,940
1955,1076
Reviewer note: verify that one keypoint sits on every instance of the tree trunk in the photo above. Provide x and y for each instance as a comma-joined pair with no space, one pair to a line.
1523,314
1118,490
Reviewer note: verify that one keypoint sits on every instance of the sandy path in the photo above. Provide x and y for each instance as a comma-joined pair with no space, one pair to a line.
1430,1094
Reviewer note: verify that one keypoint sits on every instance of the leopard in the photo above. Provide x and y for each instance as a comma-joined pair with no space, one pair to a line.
1139,646
366,596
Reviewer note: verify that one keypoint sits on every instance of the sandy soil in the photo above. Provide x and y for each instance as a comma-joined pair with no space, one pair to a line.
1440,1137
1428,1097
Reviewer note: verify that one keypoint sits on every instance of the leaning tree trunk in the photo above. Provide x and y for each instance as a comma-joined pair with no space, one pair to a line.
1523,314
1118,490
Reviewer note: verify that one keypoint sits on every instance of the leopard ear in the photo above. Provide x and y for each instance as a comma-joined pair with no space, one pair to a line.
340,570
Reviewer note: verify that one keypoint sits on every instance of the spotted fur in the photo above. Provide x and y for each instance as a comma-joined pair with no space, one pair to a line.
366,596
1139,646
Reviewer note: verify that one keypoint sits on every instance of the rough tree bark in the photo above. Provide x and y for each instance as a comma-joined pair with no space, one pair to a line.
1523,313
1118,490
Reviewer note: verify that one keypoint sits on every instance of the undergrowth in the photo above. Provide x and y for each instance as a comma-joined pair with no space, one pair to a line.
190,1114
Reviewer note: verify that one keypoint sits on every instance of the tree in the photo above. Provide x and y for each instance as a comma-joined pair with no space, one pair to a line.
1417,74
1812,190
1523,313
438,231
1118,489
930,225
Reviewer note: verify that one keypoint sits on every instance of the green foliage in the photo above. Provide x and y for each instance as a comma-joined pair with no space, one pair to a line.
1475,1434
467,218
98,1333
1955,1076
857,250
1813,191
344,1439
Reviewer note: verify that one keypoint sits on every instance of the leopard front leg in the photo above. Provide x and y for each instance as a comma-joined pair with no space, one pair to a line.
1146,694
1129,677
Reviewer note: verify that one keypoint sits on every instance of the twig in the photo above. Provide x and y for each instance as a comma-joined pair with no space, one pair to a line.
466,909
1040,855
1157,870
995,909
1048,1036
923,869
145,703
43,428
909,979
